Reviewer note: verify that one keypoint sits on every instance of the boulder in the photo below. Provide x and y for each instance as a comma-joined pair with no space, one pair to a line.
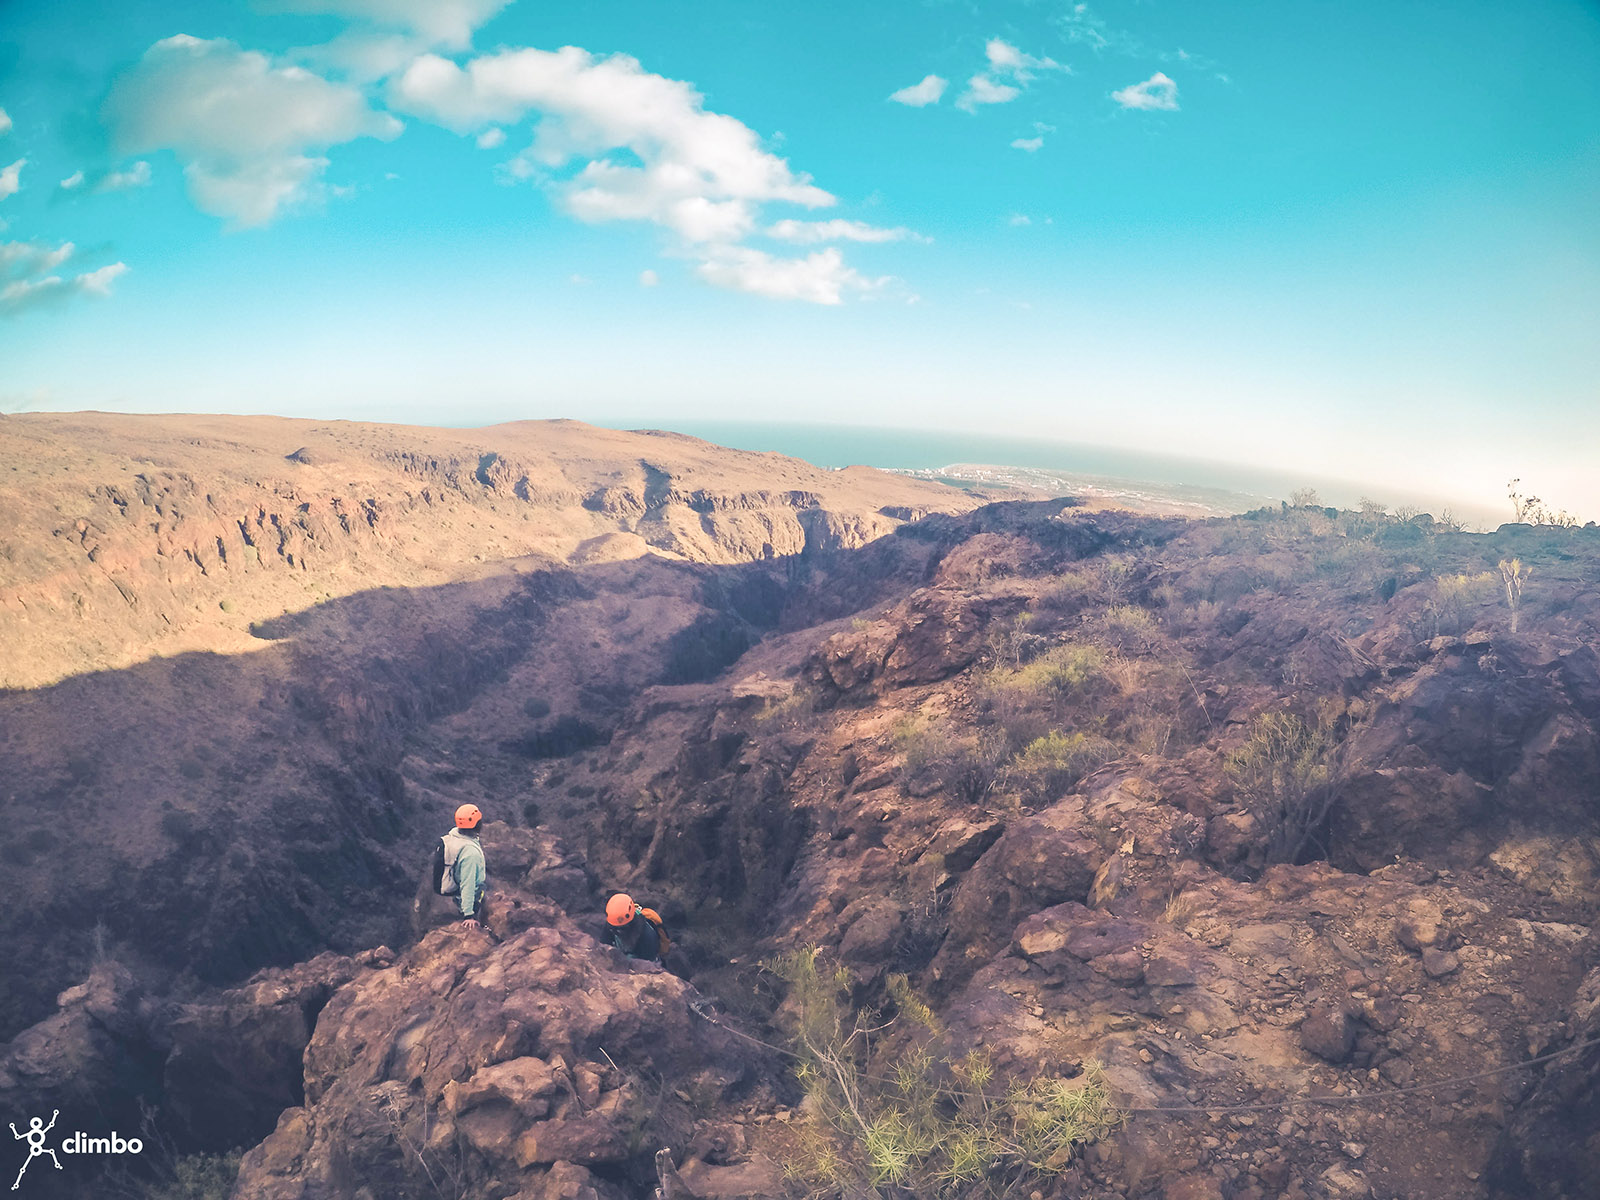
1040,861
1328,1032
1419,927
1438,963
94,1057
492,1064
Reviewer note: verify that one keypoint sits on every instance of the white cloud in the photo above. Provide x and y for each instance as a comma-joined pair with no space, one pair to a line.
27,278
448,23
241,125
838,230
1019,219
1081,25
20,259
1006,59
5,122
1010,70
918,95
490,138
648,278
1156,93
698,173
983,90
820,278
253,193
613,142
98,282
11,178
1029,144
135,176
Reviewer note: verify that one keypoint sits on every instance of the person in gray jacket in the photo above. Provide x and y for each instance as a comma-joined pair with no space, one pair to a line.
459,874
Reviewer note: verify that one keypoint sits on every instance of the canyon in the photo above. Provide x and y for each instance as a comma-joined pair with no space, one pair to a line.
1270,819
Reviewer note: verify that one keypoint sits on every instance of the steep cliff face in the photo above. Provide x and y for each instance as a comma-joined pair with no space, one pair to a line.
132,536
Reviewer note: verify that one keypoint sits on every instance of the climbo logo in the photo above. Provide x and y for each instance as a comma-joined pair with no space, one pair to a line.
75,1143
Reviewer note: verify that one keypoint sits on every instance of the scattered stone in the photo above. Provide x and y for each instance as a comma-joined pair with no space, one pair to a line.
1329,1033
1342,1183
1438,963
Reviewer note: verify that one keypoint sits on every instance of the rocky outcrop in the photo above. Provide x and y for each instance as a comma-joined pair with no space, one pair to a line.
94,1055
533,1067
1550,1150
235,1058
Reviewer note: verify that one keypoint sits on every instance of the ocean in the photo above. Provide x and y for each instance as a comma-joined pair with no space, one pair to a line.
1138,479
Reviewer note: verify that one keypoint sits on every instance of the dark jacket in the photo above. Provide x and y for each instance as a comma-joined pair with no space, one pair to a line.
637,939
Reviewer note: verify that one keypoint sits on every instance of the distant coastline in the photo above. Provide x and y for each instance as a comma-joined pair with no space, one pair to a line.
1033,466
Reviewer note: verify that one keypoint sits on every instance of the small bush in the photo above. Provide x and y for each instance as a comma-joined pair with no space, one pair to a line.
1130,625
890,1116
1284,771
1059,673
1454,597
536,708
1071,591
185,1177
1052,764
785,713
1514,575
965,765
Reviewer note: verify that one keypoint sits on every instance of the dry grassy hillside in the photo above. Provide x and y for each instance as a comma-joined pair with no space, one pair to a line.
127,536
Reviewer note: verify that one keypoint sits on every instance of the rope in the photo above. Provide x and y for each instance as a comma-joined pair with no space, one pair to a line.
698,1008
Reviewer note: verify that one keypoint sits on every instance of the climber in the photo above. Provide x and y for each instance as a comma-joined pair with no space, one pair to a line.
458,873
636,931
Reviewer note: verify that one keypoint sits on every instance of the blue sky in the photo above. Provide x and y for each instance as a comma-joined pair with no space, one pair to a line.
1357,240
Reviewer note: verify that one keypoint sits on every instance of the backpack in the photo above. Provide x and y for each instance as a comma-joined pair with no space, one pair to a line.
444,875
439,868
651,915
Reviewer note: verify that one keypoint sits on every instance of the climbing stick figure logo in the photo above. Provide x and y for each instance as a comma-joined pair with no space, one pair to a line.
35,1139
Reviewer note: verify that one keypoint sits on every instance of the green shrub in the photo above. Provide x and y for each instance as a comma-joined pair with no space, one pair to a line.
785,713
1059,672
1051,764
189,1177
1454,597
964,764
1130,625
1071,591
1284,772
891,1116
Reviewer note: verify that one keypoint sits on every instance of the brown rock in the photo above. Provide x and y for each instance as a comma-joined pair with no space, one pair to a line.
1438,963
1328,1032
960,843
873,934
235,1062
505,1048
1124,967
1191,1187
758,1179
1039,861
1419,927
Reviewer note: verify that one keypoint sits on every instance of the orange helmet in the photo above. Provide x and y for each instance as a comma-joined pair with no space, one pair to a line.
619,909
468,816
